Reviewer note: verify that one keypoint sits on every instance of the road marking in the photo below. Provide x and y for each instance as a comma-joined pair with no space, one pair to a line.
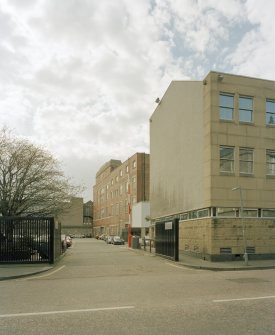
67,311
245,299
47,274
182,267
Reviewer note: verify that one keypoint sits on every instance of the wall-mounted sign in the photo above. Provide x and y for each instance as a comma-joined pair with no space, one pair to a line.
169,225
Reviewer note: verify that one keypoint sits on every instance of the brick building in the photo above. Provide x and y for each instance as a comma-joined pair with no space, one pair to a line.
119,186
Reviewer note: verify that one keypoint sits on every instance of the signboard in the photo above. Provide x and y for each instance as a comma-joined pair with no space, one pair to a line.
169,225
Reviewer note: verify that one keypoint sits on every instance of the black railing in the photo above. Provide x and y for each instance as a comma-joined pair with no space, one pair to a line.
29,240
167,239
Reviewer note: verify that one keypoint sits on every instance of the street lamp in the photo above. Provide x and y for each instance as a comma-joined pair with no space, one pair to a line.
243,226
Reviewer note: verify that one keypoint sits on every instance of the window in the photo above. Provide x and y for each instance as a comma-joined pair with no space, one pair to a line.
246,160
270,162
268,213
193,215
246,109
184,216
226,211
226,159
127,168
250,213
270,111
134,164
120,173
226,107
203,213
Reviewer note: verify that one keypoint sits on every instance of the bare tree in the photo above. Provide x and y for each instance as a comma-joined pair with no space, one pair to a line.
31,181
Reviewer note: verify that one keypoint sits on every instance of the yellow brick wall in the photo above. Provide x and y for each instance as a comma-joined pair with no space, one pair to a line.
204,237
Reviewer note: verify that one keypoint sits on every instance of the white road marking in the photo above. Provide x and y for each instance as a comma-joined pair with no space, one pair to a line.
67,311
182,267
46,274
245,299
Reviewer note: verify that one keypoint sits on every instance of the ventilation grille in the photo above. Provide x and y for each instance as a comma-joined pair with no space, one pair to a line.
225,251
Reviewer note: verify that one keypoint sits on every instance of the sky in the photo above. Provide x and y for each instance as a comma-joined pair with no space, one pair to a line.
80,77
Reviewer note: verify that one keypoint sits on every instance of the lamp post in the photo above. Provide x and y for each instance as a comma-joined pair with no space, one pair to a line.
243,225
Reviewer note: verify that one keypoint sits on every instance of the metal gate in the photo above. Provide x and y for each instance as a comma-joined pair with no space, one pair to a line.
27,240
167,239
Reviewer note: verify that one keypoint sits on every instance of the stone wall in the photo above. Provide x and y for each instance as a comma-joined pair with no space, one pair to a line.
222,238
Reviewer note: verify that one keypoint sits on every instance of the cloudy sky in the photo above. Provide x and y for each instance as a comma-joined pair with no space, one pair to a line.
80,77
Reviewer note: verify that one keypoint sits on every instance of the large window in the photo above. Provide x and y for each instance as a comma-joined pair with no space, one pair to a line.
226,159
270,162
270,112
246,160
226,106
226,212
268,213
249,213
246,109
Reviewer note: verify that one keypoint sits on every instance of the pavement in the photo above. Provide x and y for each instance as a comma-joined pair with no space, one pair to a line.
15,271
237,265
197,263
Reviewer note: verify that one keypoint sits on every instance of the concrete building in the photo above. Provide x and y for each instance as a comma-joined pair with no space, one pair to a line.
76,220
119,186
88,213
212,148
140,217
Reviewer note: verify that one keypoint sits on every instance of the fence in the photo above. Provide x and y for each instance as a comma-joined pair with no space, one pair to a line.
29,240
167,239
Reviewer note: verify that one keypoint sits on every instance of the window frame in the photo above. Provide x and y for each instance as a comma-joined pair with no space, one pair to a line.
265,210
270,113
243,109
246,161
229,212
232,170
226,108
268,152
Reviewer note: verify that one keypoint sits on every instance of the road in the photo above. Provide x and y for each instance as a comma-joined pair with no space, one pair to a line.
105,289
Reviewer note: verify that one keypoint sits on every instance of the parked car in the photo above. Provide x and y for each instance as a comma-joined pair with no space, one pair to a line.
109,239
69,241
117,240
63,243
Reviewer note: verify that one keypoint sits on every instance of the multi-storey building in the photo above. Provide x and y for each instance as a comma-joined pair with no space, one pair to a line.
88,213
213,165
77,218
119,186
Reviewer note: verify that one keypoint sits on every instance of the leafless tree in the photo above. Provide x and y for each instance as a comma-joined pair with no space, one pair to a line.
31,180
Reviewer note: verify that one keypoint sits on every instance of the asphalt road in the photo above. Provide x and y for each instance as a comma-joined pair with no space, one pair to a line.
104,289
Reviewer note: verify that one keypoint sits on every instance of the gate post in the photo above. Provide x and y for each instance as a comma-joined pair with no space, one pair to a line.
176,240
51,241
